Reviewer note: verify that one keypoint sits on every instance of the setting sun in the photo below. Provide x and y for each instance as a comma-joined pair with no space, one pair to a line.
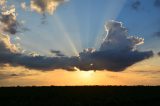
63,42
60,45
86,74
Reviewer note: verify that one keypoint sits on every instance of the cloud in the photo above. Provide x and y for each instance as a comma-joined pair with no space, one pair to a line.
5,45
117,38
136,5
157,3
7,49
117,52
8,72
57,53
9,54
8,22
42,6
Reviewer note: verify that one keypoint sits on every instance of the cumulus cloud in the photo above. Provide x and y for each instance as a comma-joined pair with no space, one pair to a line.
8,21
117,52
117,38
42,6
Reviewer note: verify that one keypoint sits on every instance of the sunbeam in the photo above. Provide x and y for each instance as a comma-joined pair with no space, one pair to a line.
79,42
66,35
28,43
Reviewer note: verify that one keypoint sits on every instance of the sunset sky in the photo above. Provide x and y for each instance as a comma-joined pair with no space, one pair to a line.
79,42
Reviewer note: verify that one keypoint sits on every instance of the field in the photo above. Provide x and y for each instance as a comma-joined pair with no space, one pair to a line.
80,96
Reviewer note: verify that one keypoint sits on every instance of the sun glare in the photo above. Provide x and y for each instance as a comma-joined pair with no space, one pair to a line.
87,74
84,74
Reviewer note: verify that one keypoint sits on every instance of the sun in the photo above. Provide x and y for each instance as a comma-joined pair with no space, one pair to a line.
84,74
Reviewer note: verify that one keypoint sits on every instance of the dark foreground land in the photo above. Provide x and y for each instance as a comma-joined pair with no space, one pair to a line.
80,96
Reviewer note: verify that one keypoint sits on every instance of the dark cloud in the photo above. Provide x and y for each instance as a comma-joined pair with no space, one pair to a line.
136,5
113,60
117,52
8,21
57,53
157,3
9,54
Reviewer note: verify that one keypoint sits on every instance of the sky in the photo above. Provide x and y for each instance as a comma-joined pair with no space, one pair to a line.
79,42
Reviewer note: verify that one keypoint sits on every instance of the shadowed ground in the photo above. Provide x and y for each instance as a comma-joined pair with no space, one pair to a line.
80,96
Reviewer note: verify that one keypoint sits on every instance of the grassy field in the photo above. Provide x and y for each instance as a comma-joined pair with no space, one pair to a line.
80,96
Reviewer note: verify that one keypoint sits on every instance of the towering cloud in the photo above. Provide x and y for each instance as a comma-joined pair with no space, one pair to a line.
117,38
117,52
42,6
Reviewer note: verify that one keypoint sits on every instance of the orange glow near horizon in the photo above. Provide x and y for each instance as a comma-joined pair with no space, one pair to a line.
143,73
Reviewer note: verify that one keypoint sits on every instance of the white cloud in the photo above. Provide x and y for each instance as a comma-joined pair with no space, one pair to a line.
117,38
